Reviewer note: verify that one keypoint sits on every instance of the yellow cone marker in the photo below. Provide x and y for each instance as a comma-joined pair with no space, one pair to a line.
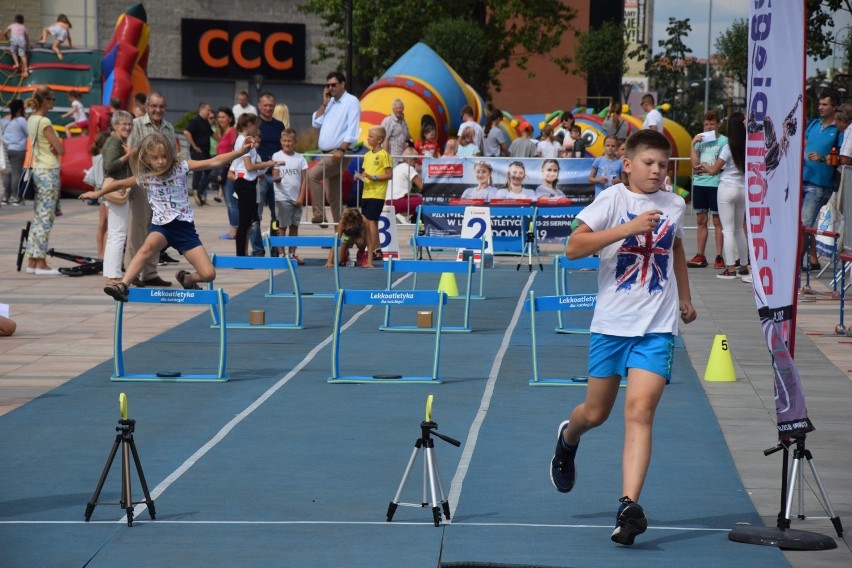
122,406
448,285
429,408
720,366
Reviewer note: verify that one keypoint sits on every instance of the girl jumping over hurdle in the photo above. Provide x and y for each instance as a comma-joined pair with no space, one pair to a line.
163,177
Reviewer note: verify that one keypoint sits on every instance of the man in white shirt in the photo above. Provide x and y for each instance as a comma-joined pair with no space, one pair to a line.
338,118
467,120
243,106
846,147
653,118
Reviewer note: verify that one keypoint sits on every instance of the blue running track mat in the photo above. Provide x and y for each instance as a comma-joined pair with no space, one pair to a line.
279,468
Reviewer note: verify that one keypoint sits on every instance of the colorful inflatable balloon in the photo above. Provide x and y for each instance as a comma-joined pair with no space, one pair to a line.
427,86
126,58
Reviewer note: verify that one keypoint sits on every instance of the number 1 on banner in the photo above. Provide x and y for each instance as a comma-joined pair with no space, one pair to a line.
476,225
388,240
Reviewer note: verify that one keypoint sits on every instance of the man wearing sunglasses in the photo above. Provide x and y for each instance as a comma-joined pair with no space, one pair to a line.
338,118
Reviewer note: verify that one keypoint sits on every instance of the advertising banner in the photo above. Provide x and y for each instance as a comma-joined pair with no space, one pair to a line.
774,145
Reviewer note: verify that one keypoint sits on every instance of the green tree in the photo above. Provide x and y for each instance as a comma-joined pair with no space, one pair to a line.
821,14
666,70
732,49
600,57
463,46
382,30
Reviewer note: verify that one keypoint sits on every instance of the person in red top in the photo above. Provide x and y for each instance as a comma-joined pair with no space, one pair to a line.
427,146
227,137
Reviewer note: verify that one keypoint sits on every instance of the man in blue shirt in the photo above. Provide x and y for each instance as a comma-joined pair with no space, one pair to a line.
270,142
818,177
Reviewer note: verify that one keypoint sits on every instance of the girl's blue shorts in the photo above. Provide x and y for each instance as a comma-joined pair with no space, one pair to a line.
613,355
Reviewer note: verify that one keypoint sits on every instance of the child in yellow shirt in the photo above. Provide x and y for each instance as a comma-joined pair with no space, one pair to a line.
375,174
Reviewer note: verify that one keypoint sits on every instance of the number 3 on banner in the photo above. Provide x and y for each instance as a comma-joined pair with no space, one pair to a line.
388,240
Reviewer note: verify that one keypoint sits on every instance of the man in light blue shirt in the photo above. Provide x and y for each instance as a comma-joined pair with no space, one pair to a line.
338,119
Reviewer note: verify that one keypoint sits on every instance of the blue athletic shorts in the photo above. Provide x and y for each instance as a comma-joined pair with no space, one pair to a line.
180,234
704,199
613,355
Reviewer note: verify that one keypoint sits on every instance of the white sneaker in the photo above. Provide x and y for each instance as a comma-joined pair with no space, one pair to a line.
400,218
46,272
747,279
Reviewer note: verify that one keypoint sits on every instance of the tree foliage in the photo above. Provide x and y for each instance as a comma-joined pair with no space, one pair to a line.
462,46
512,31
600,57
732,49
821,13
666,70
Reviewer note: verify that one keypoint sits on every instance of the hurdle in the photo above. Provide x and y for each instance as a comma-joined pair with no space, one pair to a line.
263,263
555,304
216,299
474,245
434,267
322,242
526,218
561,265
386,297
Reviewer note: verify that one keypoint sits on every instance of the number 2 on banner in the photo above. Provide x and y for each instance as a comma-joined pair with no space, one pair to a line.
476,225
388,240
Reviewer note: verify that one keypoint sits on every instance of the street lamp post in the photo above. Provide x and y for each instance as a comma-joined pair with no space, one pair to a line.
707,67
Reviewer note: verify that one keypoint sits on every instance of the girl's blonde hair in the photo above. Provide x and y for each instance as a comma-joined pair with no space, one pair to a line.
141,159
38,97
282,113
64,19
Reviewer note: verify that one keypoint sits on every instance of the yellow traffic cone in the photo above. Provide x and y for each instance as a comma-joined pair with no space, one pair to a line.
720,366
448,285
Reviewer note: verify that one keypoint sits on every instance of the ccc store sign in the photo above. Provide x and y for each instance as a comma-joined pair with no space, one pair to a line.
213,48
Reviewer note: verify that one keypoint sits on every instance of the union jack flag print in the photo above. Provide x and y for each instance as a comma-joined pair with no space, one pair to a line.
644,259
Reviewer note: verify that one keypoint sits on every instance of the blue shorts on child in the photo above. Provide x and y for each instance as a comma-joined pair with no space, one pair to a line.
180,234
613,355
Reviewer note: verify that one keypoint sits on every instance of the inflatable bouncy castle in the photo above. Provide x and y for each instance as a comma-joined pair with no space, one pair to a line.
119,72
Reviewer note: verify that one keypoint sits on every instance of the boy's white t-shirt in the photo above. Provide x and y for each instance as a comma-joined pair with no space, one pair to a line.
400,186
637,289
288,187
730,174
239,165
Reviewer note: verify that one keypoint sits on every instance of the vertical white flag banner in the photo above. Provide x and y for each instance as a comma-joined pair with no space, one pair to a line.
774,150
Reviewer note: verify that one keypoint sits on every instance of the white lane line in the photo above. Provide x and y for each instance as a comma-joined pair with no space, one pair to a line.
473,433
226,429
363,523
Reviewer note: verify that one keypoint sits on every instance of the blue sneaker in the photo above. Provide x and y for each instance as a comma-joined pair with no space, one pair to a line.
629,522
562,471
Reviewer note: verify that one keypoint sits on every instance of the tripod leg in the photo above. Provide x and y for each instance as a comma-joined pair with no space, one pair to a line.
801,481
791,488
835,520
436,512
126,498
445,505
393,504
148,501
424,502
90,506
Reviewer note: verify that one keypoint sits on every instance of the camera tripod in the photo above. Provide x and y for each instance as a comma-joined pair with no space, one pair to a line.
431,474
86,265
124,438
530,245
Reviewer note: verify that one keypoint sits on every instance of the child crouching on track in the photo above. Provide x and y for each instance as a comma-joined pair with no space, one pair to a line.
643,287
163,177
352,230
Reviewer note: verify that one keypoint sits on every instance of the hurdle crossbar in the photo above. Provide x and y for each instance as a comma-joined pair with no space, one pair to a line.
216,299
384,298
561,266
420,241
551,304
431,266
270,242
262,263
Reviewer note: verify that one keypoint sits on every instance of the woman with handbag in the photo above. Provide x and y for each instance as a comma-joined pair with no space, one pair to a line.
116,164
47,148
14,127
